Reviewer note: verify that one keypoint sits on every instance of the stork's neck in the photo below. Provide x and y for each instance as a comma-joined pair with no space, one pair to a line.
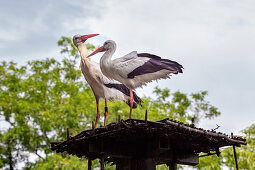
105,62
108,55
83,51
85,61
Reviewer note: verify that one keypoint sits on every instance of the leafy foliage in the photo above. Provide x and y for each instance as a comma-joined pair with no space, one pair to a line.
59,162
38,101
245,154
210,162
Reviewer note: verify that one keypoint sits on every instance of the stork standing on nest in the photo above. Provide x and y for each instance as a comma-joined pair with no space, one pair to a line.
135,70
101,86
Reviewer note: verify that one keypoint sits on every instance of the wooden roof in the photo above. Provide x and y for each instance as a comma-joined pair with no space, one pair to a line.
162,140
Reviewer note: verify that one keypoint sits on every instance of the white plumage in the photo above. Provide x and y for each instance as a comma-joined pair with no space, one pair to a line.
119,68
135,70
101,86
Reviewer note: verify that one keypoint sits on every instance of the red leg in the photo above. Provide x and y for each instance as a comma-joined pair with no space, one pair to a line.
106,112
131,102
98,115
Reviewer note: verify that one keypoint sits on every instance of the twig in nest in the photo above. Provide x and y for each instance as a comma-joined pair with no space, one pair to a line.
216,127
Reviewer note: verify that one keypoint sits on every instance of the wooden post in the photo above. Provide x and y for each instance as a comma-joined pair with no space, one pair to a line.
136,164
102,163
172,166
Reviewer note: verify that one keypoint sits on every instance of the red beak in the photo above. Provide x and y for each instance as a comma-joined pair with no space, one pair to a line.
85,37
101,49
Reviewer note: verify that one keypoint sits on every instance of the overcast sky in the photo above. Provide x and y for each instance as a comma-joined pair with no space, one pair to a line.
213,39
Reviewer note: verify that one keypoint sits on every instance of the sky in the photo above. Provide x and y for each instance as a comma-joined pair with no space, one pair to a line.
213,39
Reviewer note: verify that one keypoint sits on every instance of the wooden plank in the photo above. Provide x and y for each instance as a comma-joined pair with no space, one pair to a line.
188,159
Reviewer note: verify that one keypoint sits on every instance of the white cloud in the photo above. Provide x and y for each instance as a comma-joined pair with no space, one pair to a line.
31,29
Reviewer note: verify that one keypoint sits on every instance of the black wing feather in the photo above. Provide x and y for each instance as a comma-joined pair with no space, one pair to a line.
154,64
122,88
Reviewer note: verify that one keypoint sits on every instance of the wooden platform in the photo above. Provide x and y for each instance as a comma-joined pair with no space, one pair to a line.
127,142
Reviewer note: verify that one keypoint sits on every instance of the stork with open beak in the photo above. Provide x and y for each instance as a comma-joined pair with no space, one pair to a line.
101,86
135,69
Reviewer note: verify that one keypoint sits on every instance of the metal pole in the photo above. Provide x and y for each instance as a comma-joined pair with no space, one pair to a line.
235,157
67,133
89,164
119,123
93,128
146,122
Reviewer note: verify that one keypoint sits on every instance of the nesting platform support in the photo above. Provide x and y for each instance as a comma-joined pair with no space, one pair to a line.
136,153
134,144
141,164
136,164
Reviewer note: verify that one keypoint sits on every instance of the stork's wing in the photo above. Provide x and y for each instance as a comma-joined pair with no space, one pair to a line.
122,88
129,56
111,83
112,89
154,64
126,57
126,64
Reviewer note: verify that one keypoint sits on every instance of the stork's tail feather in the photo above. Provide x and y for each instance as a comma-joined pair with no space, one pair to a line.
122,88
137,100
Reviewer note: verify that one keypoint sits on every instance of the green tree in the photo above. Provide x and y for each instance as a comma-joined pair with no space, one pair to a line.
245,154
39,100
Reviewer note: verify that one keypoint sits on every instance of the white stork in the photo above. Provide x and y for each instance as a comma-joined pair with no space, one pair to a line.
135,70
101,86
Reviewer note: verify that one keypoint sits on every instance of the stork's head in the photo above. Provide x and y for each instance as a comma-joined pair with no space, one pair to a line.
108,45
79,39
